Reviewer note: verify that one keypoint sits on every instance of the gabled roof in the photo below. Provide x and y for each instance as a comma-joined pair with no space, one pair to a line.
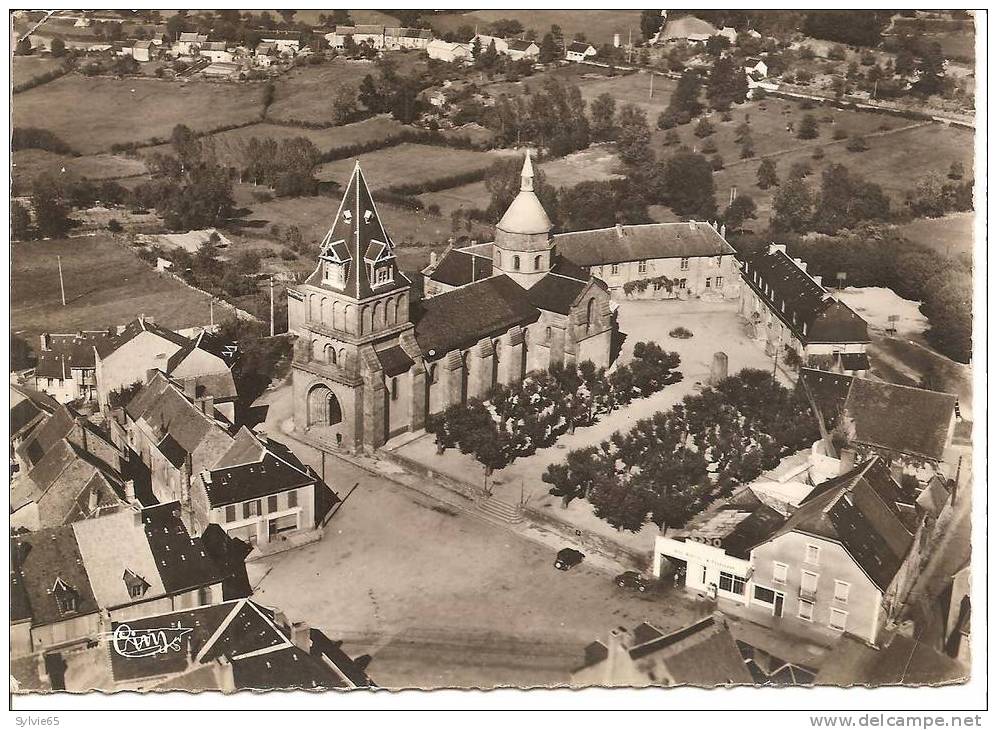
250,471
460,318
688,27
132,330
40,558
358,226
603,246
394,360
902,661
66,352
861,510
558,292
28,408
50,431
181,560
884,415
515,44
579,47
798,300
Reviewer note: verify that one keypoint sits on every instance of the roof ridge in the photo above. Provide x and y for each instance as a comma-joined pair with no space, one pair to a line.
221,629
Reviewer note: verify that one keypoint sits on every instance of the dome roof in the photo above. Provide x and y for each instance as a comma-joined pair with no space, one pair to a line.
526,215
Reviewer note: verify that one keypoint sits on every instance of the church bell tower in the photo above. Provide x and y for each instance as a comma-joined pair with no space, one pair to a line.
523,247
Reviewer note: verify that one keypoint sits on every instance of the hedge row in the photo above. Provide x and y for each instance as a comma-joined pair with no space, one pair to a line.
414,136
155,141
439,183
44,78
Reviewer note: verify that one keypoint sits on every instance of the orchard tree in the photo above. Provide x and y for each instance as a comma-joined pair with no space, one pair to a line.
792,208
633,135
808,127
727,83
548,49
603,113
689,186
741,209
767,176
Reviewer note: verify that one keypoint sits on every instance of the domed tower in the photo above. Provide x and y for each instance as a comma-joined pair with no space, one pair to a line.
523,246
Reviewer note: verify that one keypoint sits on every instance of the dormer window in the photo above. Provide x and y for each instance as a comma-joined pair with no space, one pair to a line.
66,597
368,214
136,585
347,216
334,274
382,274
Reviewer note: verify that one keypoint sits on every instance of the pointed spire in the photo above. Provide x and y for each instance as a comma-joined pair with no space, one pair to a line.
527,174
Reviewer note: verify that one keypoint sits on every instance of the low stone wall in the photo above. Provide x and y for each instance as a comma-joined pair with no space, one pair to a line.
587,541
465,489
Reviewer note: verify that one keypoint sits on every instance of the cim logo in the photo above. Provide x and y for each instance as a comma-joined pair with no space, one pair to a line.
133,643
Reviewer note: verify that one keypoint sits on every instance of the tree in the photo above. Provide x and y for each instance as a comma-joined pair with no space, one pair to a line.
689,186
23,47
650,23
808,127
633,135
405,106
792,207
767,176
51,212
726,84
600,204
857,144
503,182
20,222
741,209
799,170
932,70
704,128
506,27
686,95
603,113
717,44
371,95
845,200
58,47
344,105
287,15
548,49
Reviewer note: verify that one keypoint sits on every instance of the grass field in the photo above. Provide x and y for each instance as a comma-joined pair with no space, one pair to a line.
91,114
25,68
29,164
951,235
230,145
408,163
632,88
472,195
598,162
106,284
597,25
888,162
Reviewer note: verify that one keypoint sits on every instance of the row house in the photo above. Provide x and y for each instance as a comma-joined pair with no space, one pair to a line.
843,560
440,50
66,367
69,583
407,38
792,311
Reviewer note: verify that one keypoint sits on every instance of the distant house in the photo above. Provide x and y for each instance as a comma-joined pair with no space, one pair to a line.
402,38
285,43
189,43
441,50
792,311
221,70
369,35
237,645
756,68
66,367
66,581
578,51
143,51
501,45
688,28
216,52
517,49
910,426
703,654
265,54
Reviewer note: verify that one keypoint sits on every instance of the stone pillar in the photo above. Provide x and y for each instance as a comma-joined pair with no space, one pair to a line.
515,364
556,345
575,322
718,370
419,395
454,368
374,395
483,359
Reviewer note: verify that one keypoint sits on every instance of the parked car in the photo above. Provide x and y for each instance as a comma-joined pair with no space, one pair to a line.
568,558
632,579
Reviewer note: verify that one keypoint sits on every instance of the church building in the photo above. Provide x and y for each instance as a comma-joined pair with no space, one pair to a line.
371,362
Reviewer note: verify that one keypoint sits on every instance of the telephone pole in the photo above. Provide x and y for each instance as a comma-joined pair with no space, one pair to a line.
271,306
62,286
651,94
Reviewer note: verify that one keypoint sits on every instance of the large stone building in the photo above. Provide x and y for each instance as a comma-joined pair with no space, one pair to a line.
371,363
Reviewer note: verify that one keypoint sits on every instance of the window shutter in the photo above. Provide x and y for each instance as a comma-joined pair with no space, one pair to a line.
230,513
292,498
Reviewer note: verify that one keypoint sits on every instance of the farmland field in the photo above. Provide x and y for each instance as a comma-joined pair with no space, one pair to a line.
950,235
91,114
598,162
105,284
634,88
230,145
597,25
472,195
888,161
29,164
406,164
25,68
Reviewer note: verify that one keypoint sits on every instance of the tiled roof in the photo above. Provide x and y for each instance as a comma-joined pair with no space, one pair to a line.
27,406
71,351
278,470
518,45
458,268
53,429
394,361
860,510
460,318
603,246
38,560
884,415
903,661
133,329
798,300
358,225
181,559
556,293
578,47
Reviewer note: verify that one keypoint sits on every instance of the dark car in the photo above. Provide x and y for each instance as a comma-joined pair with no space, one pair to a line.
568,558
632,579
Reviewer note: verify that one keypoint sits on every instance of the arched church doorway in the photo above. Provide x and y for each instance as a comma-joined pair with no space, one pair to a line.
323,407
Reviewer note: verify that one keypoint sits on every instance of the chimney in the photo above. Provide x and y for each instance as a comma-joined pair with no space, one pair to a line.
46,341
723,230
620,641
208,405
432,259
224,677
137,514
301,636
819,279
619,230
847,460
92,501
801,263
130,491
692,225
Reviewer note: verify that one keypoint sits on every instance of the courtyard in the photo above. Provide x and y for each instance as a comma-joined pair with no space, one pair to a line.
716,326
438,597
